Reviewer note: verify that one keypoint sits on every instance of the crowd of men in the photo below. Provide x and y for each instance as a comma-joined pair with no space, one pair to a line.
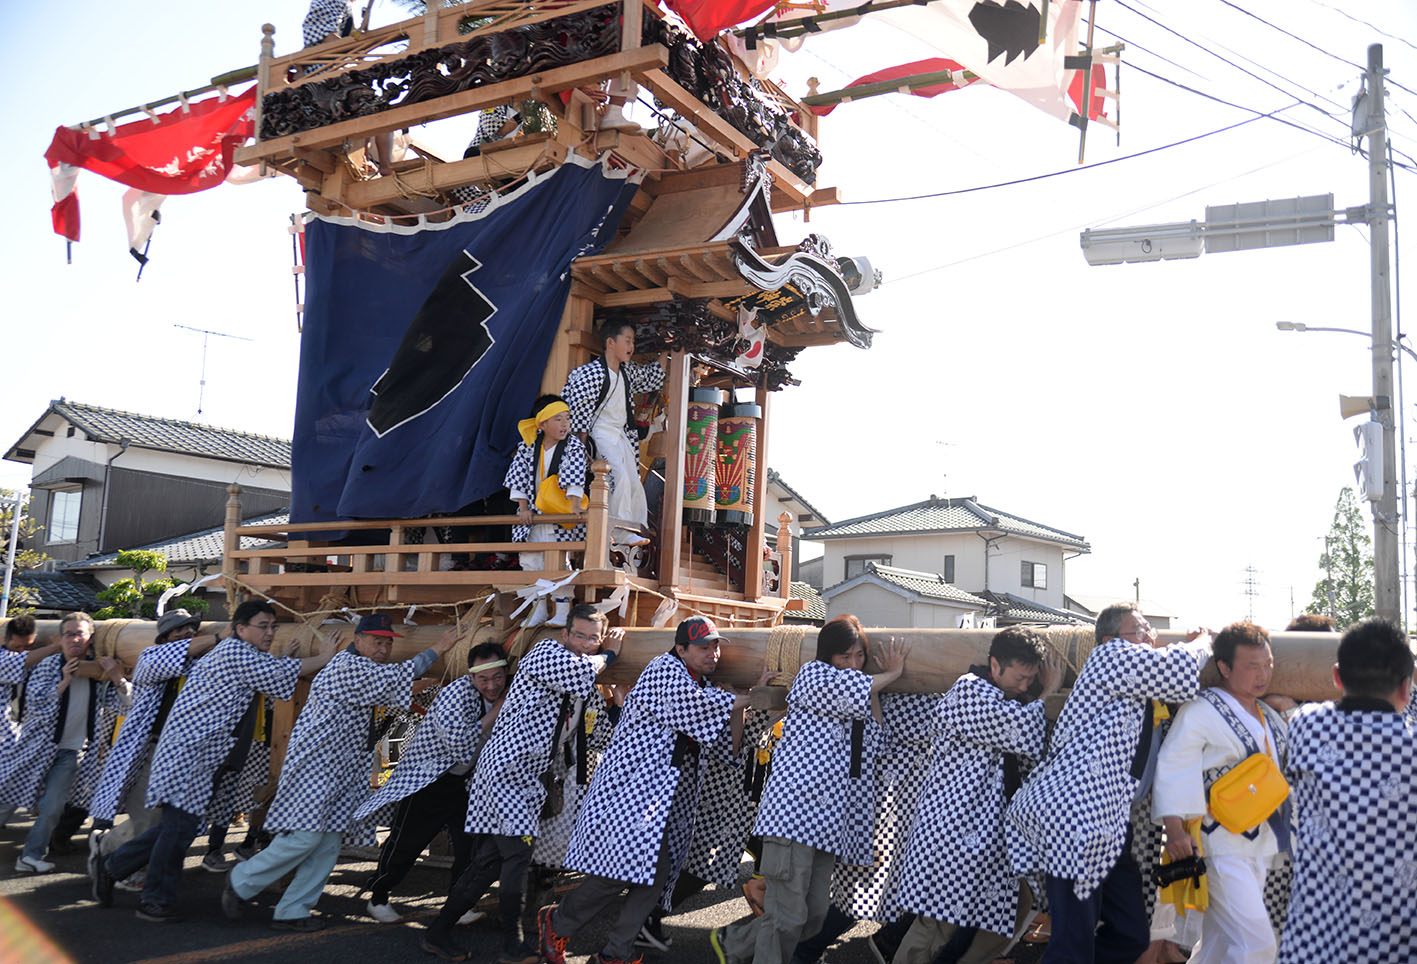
950,819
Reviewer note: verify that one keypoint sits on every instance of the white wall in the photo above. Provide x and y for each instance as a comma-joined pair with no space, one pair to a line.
51,450
871,604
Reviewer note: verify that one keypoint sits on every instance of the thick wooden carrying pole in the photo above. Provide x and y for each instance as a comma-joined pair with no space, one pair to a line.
230,543
1303,661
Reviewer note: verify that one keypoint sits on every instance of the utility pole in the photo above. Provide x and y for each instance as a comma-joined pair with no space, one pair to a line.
1387,596
10,555
1251,590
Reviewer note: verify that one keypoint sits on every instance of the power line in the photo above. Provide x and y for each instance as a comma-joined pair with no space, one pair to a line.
1366,23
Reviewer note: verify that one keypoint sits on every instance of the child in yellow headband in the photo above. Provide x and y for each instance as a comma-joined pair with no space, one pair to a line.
547,477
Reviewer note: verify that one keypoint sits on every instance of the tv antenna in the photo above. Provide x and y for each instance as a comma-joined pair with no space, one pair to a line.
206,334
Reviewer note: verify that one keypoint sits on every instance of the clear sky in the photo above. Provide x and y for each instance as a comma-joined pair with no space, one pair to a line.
1152,408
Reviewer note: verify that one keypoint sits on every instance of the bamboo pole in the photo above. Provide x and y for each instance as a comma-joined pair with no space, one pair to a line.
1303,661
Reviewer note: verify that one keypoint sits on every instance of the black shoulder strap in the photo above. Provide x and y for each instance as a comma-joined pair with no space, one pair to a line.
561,715
536,467
556,454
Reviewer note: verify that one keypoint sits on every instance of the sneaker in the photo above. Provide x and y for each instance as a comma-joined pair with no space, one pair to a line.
471,917
215,862
95,850
440,945
518,953
232,905
878,950
716,945
551,946
652,936
29,865
618,960
245,850
102,883
157,915
134,883
383,913
302,924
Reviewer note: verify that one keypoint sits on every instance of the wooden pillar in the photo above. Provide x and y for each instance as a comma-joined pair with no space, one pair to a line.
576,317
753,564
263,70
230,543
283,717
671,523
784,551
597,529
430,22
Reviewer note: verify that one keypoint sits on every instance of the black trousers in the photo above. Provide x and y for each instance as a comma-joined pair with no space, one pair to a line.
494,858
441,805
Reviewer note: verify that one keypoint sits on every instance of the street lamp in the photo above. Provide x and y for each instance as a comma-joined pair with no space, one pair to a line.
1300,326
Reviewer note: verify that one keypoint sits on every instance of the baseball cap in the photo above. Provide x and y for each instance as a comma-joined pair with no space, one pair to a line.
696,631
377,624
173,618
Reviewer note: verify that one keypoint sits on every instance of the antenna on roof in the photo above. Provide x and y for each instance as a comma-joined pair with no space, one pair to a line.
206,334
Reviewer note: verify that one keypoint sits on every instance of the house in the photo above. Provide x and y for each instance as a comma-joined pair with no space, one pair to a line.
105,480
946,562
805,518
55,594
1158,615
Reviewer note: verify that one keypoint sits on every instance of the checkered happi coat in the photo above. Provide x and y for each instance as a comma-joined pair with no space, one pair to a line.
1070,818
521,477
955,867
635,802
506,793
811,796
554,834
450,734
27,761
201,729
1353,777
325,776
12,676
583,388
727,810
156,666
869,893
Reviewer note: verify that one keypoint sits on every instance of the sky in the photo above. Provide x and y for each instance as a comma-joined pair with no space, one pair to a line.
1152,408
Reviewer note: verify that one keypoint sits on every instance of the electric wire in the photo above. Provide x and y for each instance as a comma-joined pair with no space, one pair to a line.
1372,26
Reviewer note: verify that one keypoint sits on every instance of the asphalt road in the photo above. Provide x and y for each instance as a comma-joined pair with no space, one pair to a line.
53,912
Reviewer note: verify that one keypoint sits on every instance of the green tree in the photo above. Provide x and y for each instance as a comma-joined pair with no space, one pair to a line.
22,598
1346,590
134,598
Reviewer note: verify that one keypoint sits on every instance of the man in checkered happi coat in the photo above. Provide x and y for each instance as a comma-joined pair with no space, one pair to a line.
1070,821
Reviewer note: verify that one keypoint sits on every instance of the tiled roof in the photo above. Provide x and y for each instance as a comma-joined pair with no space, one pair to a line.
204,546
169,435
946,515
59,591
816,611
775,478
927,585
1007,606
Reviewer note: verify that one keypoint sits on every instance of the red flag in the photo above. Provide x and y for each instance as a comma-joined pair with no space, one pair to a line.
707,17
1099,81
186,150
930,66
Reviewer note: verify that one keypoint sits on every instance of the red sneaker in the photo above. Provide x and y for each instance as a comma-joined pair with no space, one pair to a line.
549,943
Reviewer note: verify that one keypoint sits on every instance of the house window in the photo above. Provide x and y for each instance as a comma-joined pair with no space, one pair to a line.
1034,575
856,565
64,515
949,569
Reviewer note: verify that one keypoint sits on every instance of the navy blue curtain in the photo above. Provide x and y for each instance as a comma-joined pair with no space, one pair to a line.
423,347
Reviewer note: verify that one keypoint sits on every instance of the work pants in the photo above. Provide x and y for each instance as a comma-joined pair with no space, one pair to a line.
312,854
141,817
931,941
591,898
58,781
1236,927
494,858
161,849
1117,902
441,805
798,895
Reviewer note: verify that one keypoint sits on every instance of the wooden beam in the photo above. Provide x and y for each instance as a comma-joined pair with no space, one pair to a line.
712,289
822,196
602,273
671,523
637,62
645,296
542,155
753,564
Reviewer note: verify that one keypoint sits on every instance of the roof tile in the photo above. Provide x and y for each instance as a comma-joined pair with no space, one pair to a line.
175,435
946,515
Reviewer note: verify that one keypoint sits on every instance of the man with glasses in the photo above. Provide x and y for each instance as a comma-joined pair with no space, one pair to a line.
123,785
59,728
1070,821
509,784
208,733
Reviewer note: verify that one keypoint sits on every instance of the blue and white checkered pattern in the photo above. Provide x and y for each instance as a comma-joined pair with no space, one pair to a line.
506,793
811,796
201,729
325,17
1353,777
23,767
955,867
583,388
450,734
156,666
95,757
325,776
869,893
635,803
726,809
12,677
1410,714
1070,818
554,836
522,478
236,792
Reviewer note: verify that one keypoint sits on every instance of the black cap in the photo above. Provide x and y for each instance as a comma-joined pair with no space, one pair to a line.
696,631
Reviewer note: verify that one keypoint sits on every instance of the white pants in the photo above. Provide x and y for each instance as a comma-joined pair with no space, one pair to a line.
1236,927
538,532
627,496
